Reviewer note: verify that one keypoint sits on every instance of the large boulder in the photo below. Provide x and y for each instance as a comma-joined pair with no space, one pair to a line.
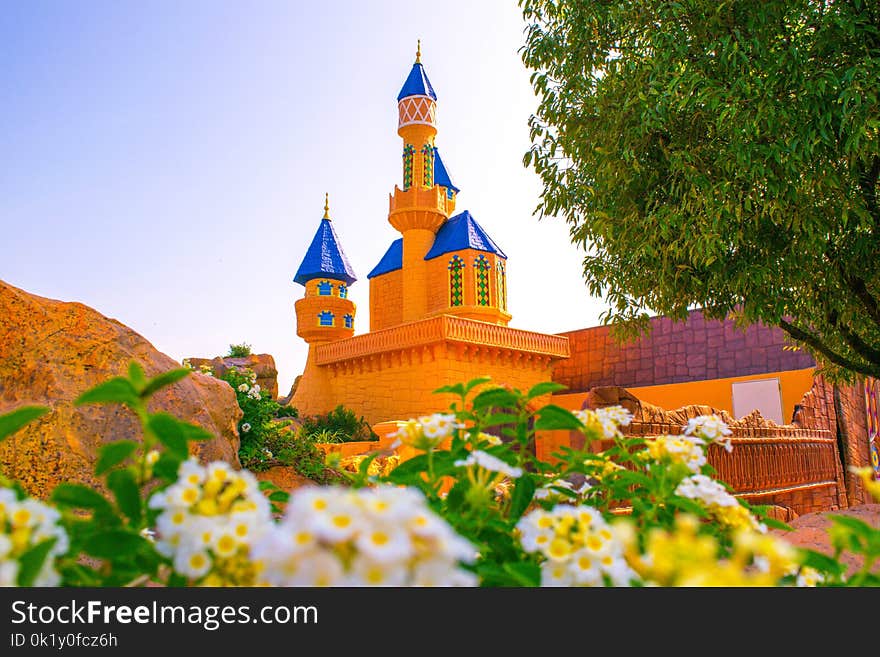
53,351
263,365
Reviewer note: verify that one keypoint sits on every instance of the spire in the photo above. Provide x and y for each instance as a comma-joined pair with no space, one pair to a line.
417,83
325,257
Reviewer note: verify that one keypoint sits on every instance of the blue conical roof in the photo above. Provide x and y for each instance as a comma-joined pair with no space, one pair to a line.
462,232
325,258
417,84
441,176
391,261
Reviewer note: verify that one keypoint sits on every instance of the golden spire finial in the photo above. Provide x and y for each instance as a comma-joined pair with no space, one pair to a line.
326,205
419,52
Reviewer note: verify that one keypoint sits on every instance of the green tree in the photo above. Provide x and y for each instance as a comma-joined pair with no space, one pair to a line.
721,155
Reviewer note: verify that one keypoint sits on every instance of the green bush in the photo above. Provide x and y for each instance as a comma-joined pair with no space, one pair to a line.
341,425
267,435
239,350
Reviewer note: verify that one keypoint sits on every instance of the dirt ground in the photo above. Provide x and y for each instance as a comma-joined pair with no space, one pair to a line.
811,531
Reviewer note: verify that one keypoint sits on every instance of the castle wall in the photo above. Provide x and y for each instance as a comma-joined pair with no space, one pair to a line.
386,300
400,385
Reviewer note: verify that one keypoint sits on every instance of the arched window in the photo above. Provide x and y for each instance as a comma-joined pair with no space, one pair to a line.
456,286
325,318
343,291
325,289
502,286
428,159
482,280
349,321
408,152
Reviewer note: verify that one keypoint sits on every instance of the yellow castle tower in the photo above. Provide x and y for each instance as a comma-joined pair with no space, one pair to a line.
438,297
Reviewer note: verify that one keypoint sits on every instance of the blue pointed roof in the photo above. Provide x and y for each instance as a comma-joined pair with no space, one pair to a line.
441,176
417,84
462,232
325,258
391,261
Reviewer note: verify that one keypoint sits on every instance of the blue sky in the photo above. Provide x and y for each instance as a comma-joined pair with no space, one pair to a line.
166,162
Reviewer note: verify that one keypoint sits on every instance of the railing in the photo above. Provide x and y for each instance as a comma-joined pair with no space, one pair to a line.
764,466
443,328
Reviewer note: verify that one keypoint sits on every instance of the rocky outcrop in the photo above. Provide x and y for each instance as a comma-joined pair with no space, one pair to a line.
263,365
53,351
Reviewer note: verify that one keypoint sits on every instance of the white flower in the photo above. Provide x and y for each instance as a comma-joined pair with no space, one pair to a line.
439,426
711,428
245,427
707,490
490,463
243,387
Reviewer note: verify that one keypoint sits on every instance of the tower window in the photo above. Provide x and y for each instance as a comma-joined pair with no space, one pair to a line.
502,286
456,287
428,159
408,152
326,318
325,289
482,266
343,291
349,321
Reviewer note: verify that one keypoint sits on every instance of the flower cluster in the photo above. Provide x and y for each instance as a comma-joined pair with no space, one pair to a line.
604,422
208,521
684,449
334,536
711,428
683,556
723,506
549,491
580,547
428,432
23,525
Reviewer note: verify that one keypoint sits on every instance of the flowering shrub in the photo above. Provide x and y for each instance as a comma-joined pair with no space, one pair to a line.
340,425
469,509
267,435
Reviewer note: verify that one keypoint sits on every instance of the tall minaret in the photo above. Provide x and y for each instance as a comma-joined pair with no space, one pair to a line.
419,209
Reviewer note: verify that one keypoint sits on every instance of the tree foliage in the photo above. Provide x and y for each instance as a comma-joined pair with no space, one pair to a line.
721,155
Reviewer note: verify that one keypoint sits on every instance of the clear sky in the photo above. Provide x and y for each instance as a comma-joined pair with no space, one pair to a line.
165,162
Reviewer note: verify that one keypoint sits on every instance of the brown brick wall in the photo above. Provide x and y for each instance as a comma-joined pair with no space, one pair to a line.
818,409
675,352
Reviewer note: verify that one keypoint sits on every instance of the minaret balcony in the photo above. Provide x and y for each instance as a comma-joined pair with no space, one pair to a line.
429,203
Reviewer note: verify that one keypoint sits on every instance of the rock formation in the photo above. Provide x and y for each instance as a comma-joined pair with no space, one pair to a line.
53,351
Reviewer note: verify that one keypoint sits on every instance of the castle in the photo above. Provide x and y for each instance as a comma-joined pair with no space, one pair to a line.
438,297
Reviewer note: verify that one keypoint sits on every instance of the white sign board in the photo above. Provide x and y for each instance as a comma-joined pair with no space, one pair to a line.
764,395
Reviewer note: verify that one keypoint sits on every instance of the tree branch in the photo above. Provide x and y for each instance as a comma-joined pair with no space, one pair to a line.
812,341
858,345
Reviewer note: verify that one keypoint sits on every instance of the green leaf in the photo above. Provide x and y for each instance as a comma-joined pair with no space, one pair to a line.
548,387
279,496
525,573
113,454
165,379
456,389
136,375
409,471
496,398
78,496
167,466
15,420
522,496
116,390
552,417
822,562
32,561
128,497
175,434
858,527
773,523
473,383
115,544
